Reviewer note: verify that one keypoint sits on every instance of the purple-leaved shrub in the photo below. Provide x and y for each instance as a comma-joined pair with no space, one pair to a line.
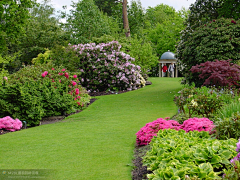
146,133
151,129
104,67
10,124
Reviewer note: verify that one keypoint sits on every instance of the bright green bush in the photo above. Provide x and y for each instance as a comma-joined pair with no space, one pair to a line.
42,58
177,154
33,100
39,91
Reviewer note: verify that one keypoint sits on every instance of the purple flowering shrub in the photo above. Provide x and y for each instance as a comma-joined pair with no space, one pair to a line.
104,67
146,133
10,124
151,129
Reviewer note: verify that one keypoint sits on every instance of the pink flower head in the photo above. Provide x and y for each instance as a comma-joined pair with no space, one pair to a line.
59,80
60,74
74,83
66,75
76,91
78,97
79,103
5,78
63,69
234,22
74,76
44,74
53,69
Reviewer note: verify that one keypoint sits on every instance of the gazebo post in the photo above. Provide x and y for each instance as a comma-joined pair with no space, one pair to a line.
160,70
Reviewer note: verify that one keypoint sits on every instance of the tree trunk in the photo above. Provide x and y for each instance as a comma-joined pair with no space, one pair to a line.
125,19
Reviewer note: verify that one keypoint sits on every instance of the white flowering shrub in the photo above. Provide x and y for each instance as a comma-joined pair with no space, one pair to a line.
104,67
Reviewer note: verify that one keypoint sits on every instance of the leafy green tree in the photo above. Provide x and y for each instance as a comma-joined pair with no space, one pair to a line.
203,12
43,31
86,21
162,27
136,18
218,39
107,6
13,17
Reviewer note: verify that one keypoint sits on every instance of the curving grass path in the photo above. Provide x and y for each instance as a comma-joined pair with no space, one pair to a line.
97,143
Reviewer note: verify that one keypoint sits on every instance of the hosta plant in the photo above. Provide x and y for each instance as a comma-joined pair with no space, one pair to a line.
177,155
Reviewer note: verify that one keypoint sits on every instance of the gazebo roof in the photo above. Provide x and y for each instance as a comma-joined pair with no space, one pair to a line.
168,55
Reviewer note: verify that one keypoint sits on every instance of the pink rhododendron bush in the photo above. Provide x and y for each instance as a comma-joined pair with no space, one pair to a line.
151,129
197,124
146,133
104,67
10,124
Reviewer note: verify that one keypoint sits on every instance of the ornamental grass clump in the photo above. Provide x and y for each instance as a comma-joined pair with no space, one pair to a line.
10,124
104,67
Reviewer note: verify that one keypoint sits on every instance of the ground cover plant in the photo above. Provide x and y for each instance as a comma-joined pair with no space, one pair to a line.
97,143
177,155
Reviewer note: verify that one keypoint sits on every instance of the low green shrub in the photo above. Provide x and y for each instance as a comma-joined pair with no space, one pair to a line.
177,155
34,100
228,127
204,101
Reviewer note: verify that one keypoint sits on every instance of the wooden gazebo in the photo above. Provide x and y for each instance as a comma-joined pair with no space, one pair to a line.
167,58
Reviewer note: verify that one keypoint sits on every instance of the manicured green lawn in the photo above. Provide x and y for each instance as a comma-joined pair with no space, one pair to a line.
96,143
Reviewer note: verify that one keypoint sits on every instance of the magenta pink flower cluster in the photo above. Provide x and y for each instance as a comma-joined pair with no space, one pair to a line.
75,92
146,133
10,124
198,124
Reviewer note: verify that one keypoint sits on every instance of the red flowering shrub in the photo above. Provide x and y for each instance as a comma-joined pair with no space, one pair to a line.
218,73
151,129
146,133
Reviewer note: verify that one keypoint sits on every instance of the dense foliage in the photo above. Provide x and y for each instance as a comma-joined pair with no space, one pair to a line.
177,155
86,21
217,39
13,17
104,67
217,73
41,91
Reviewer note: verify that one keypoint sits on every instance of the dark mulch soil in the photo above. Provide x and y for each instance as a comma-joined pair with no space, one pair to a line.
139,172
